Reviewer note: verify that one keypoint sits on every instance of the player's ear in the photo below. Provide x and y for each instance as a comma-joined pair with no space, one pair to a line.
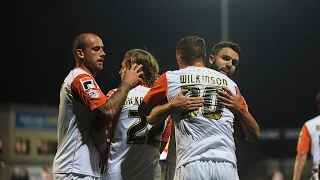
179,59
79,53
211,59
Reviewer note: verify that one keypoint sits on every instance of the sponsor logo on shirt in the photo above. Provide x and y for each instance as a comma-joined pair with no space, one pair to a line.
93,94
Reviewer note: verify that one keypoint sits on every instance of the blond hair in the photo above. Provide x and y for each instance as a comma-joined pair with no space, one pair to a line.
150,65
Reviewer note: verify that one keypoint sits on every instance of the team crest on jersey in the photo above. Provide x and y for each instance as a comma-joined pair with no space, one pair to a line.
93,94
87,83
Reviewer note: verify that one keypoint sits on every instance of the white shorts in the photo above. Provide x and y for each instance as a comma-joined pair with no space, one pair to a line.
314,176
207,170
139,175
73,176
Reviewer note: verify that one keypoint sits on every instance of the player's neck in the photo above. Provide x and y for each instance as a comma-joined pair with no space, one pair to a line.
93,74
198,64
194,63
145,85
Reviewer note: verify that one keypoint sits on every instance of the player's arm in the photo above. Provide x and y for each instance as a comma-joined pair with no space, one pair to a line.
114,104
156,107
299,164
98,133
155,115
245,126
108,130
156,96
303,148
181,103
102,131
239,134
248,123
84,89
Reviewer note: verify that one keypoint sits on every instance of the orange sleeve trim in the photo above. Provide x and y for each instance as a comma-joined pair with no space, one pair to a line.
304,141
167,131
158,93
85,89
243,102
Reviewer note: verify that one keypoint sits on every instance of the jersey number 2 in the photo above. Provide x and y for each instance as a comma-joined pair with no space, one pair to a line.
150,135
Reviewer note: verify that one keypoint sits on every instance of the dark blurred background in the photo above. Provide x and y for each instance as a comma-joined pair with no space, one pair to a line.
278,72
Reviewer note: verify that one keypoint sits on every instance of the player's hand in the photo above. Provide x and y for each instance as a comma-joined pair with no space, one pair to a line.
184,103
131,77
230,100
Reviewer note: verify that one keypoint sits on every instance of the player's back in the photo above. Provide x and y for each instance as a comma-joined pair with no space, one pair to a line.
205,134
134,151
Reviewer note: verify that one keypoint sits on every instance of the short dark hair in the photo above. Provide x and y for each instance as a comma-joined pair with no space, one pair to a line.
225,44
192,48
80,41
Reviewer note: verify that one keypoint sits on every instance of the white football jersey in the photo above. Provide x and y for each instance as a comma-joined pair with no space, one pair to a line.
205,134
76,152
309,140
134,150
